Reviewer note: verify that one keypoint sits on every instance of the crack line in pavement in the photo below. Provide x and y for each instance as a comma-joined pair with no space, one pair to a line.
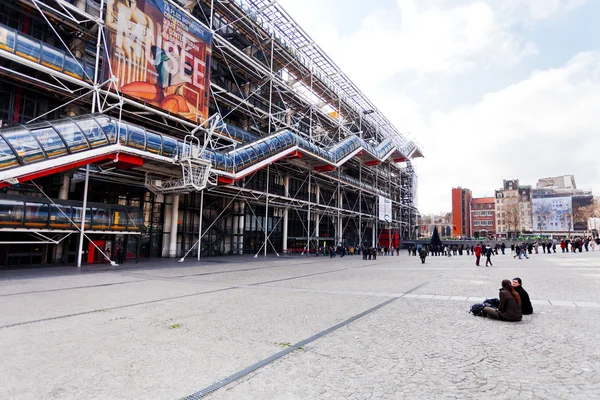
70,288
240,374
297,277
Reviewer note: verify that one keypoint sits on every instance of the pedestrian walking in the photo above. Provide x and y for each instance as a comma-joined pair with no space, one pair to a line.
477,254
488,256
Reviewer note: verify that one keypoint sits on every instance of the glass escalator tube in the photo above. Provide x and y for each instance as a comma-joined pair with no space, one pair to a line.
8,39
109,127
153,143
72,135
28,48
76,216
36,215
52,58
92,131
136,137
100,218
238,160
118,219
134,219
51,142
8,159
11,213
73,67
122,129
169,147
262,151
24,144
275,145
58,220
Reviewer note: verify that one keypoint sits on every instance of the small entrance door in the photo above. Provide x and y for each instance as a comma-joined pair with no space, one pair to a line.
94,256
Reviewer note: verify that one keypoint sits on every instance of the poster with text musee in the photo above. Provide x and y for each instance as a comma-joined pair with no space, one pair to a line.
159,55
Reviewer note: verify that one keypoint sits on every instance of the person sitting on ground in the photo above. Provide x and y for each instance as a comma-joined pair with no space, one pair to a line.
510,304
526,307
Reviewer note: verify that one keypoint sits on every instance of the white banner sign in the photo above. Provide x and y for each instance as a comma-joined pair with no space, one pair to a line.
385,209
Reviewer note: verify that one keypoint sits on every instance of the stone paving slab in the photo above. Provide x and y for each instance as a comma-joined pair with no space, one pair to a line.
393,355
154,332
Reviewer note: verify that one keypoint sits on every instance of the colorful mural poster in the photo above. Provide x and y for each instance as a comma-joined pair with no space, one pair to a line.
158,54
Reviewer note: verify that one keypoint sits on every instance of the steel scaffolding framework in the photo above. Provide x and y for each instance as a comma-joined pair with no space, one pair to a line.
267,75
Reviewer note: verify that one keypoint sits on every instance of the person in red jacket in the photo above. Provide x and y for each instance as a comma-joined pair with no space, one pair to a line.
477,254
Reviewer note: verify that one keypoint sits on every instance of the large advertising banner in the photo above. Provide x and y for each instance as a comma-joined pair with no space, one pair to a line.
552,214
159,55
385,209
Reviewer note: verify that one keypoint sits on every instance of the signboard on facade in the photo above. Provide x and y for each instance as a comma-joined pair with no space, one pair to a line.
385,209
158,55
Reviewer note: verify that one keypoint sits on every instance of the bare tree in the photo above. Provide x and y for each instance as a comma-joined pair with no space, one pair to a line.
582,214
567,219
513,217
542,213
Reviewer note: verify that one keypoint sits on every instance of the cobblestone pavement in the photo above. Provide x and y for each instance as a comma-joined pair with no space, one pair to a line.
164,330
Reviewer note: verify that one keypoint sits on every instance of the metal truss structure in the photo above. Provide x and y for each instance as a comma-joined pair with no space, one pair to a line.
267,76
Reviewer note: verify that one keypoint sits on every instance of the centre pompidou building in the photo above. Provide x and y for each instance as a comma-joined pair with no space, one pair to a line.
157,128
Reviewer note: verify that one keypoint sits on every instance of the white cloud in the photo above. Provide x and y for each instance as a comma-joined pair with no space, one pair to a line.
546,125
444,38
535,10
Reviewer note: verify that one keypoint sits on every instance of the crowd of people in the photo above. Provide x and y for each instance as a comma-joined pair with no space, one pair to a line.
518,250
368,252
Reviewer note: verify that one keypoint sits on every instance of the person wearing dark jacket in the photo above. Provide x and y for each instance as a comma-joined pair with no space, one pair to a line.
526,307
422,254
510,304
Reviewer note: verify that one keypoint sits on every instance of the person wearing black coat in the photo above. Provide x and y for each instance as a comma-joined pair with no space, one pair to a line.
510,304
526,307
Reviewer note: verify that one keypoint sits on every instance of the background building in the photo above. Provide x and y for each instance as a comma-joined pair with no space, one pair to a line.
218,128
560,208
427,223
513,209
483,217
461,214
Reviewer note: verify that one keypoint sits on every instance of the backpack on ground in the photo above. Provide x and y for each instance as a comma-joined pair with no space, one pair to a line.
495,302
477,309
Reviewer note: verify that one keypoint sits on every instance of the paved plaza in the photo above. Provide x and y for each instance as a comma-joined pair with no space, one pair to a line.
300,328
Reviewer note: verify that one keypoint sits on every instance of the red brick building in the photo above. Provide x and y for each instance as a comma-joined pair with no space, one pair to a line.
483,217
461,215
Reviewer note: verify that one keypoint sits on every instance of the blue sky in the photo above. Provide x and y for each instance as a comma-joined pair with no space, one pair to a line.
490,89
